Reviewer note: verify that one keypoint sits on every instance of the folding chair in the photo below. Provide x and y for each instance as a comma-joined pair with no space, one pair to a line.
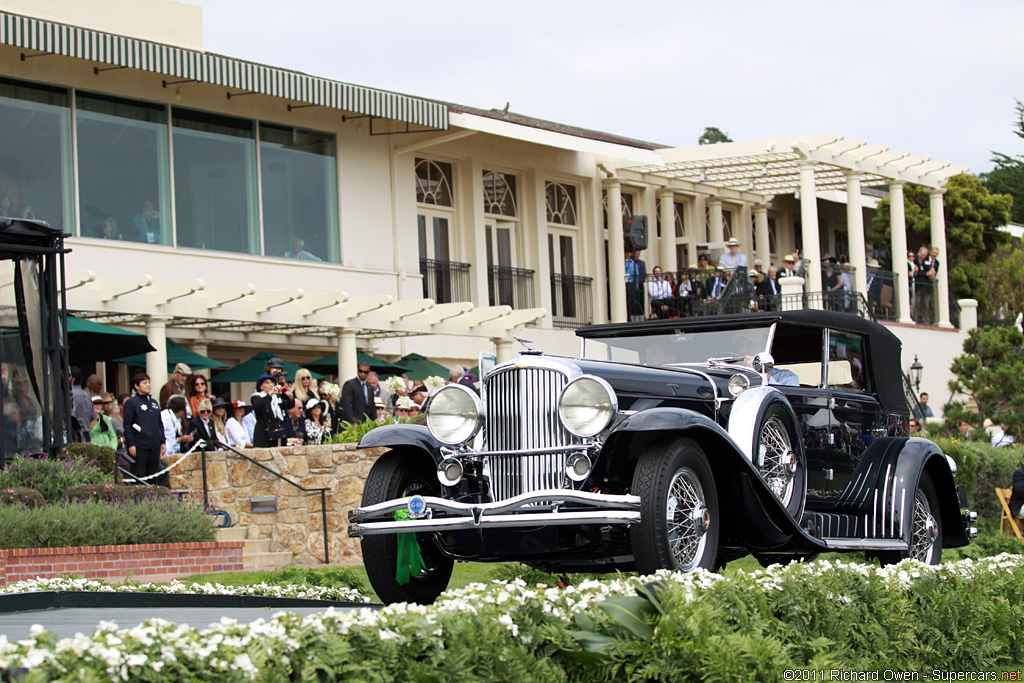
1007,519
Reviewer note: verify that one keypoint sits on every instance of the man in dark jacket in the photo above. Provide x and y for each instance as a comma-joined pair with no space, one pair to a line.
143,428
357,397
1017,497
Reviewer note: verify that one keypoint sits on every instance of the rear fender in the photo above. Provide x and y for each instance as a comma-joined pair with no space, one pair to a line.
921,455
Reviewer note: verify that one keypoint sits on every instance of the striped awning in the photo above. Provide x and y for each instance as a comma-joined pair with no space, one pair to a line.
72,41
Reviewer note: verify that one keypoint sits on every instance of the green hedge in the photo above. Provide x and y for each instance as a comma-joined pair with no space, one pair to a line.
29,498
102,457
113,493
94,522
982,468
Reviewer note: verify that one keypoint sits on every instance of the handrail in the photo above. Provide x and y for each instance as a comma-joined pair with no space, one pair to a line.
323,490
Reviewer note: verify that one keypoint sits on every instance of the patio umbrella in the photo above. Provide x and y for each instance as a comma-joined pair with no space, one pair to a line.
176,353
90,341
421,367
254,367
382,367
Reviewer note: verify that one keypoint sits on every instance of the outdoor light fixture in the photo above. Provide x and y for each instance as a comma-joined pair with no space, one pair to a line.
764,169
915,373
751,186
703,175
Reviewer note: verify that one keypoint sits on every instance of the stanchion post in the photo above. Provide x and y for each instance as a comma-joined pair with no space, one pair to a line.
323,512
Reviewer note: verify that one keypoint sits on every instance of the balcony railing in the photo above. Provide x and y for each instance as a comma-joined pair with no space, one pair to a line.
571,302
445,281
510,287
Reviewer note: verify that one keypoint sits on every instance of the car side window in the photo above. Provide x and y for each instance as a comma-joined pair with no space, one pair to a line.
800,350
846,362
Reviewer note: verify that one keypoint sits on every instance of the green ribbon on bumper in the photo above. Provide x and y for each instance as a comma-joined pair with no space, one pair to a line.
410,561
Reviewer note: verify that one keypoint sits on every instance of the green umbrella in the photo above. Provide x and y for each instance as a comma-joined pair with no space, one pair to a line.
90,341
254,367
176,353
421,367
329,364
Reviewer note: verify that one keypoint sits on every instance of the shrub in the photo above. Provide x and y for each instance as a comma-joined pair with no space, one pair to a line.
29,498
113,493
328,577
95,522
352,433
982,469
101,457
50,476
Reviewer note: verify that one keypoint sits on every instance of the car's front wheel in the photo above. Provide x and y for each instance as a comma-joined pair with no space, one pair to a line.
926,528
398,474
679,519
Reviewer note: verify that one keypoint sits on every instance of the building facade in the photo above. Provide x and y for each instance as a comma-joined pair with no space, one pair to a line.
235,207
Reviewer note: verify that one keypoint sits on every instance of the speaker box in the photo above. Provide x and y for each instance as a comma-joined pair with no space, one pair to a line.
635,233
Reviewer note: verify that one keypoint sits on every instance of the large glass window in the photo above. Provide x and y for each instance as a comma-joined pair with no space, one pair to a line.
300,202
215,182
561,203
434,182
35,152
123,169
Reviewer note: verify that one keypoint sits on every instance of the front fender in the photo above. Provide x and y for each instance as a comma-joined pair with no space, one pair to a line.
919,455
752,515
414,436
746,413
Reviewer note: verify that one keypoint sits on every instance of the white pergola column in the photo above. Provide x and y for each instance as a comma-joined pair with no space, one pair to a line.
855,228
809,225
156,361
616,264
696,229
504,349
764,248
346,355
744,232
667,243
715,214
898,239
938,216
202,347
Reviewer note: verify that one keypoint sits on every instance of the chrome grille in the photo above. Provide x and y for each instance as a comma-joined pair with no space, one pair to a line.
522,414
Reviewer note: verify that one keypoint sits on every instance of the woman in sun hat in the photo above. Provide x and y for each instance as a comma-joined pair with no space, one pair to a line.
317,430
238,435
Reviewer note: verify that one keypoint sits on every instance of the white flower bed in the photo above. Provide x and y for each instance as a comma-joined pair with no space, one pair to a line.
177,587
228,648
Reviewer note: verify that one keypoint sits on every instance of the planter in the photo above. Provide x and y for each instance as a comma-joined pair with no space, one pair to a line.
120,562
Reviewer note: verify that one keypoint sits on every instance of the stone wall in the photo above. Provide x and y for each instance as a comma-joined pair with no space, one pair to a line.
297,525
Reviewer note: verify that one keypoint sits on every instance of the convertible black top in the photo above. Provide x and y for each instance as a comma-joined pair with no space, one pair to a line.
885,346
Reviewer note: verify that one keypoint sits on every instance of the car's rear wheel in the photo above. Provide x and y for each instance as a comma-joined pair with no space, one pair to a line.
926,529
398,474
679,521
779,458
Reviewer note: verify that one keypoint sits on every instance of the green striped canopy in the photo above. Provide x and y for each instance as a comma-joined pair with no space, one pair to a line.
236,74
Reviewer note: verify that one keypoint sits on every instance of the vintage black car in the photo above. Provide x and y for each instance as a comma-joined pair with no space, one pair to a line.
668,444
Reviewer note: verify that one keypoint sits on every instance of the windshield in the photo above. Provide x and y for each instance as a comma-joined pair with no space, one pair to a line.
737,346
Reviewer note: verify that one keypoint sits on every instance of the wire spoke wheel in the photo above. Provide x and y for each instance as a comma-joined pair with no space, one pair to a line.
678,527
688,519
925,531
776,459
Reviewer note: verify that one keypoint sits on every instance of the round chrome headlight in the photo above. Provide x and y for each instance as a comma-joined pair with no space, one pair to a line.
453,414
587,406
738,384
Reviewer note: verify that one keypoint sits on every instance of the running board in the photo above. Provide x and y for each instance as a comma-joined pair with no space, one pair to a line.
864,544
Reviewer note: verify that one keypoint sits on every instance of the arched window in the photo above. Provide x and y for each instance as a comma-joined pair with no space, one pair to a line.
434,182
500,194
561,203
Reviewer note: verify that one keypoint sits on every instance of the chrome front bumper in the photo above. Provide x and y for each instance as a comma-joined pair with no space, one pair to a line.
539,508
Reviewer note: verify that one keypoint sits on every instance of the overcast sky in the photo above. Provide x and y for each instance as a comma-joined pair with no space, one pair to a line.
937,77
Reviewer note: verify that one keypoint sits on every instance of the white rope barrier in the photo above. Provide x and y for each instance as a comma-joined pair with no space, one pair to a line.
198,444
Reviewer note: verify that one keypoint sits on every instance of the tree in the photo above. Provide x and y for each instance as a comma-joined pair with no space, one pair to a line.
713,136
973,216
1003,278
988,373
1008,175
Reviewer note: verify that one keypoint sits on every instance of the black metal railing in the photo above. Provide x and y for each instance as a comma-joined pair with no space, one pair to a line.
510,287
445,281
571,302
913,402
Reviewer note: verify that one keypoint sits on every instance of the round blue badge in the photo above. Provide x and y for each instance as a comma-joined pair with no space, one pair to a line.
417,506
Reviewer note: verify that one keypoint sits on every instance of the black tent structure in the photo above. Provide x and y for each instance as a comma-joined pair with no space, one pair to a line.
33,338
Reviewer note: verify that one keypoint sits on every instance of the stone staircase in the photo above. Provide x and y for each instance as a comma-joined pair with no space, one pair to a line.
256,553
